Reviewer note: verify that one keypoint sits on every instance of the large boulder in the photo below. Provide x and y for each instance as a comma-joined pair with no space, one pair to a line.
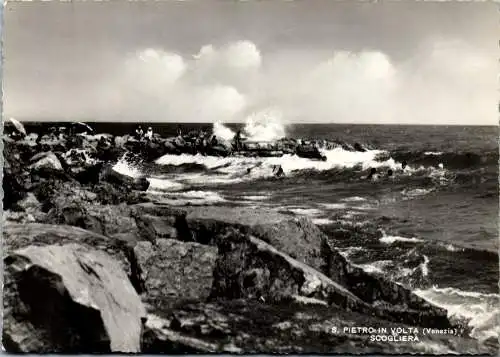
45,160
248,267
68,204
17,236
69,299
303,241
175,272
297,237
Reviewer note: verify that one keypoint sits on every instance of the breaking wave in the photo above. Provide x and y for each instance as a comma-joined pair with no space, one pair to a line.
265,125
125,167
231,169
481,310
192,198
394,239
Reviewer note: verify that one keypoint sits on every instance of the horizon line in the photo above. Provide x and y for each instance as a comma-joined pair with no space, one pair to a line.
237,123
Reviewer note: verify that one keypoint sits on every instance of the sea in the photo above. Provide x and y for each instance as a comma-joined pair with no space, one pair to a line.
432,227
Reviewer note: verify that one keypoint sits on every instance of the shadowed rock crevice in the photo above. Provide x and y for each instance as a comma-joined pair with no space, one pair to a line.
60,324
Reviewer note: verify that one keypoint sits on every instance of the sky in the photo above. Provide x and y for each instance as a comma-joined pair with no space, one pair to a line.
395,62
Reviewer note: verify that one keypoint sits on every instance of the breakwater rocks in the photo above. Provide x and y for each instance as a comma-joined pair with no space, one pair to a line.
93,267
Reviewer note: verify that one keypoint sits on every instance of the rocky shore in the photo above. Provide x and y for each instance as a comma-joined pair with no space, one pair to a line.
91,264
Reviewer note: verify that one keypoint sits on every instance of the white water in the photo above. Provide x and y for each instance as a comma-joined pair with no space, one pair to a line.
309,212
234,169
322,221
483,310
377,267
256,197
264,125
195,198
393,239
125,168
353,199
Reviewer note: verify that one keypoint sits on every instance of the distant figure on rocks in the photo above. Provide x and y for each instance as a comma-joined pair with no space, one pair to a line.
179,141
404,164
179,131
139,133
197,145
237,140
204,146
372,175
149,133
214,141
278,171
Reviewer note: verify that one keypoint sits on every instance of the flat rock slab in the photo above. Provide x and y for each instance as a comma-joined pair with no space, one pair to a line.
69,298
237,215
175,272
297,237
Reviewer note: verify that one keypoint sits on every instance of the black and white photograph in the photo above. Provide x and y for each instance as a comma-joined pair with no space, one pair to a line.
250,177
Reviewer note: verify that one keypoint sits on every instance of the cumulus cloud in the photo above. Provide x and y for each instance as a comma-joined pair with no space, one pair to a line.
446,81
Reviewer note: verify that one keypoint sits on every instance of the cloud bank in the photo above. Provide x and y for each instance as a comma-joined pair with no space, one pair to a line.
446,82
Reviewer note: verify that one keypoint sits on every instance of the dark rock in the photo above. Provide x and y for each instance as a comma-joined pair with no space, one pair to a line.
68,204
108,193
14,189
69,299
108,153
89,174
74,215
52,143
248,267
175,272
358,147
156,221
16,179
152,227
116,178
